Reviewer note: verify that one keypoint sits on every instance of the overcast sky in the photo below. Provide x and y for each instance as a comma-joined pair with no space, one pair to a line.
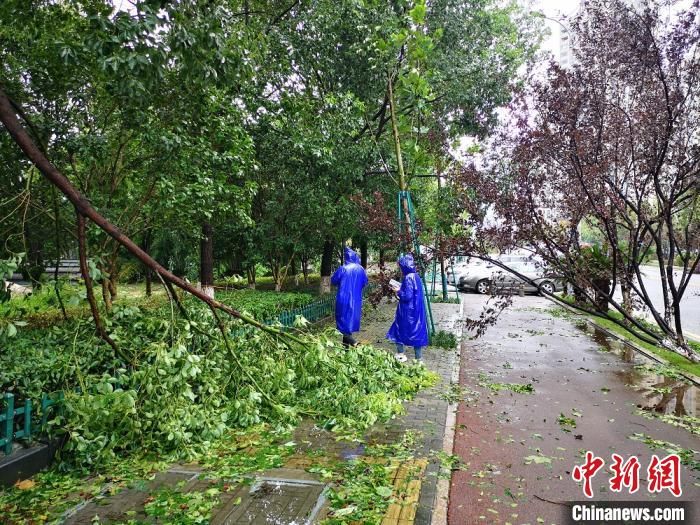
556,9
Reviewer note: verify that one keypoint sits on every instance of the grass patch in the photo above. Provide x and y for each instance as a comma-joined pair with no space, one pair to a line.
267,283
438,299
674,359
41,309
444,339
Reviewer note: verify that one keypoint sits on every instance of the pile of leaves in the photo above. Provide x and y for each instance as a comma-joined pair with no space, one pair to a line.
361,488
186,385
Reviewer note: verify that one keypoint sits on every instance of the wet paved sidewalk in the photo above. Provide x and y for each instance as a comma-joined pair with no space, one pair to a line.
291,495
518,449
427,413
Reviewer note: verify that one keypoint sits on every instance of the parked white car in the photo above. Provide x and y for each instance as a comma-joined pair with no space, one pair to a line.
481,279
456,271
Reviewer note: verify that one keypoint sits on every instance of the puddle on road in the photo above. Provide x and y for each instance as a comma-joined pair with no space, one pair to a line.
662,395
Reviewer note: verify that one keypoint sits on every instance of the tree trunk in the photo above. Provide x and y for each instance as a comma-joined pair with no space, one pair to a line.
106,296
56,285
326,264
275,266
84,270
112,283
283,273
146,247
305,268
626,298
236,266
363,252
113,274
35,259
399,164
149,282
206,260
443,275
250,272
680,338
601,297
294,271
381,257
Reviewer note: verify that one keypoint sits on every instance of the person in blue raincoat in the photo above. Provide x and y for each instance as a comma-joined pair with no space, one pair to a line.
410,326
350,280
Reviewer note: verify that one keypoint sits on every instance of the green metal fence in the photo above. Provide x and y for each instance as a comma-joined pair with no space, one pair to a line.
312,312
18,422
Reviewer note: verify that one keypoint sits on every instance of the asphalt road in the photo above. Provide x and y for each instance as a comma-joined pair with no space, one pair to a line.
518,449
690,304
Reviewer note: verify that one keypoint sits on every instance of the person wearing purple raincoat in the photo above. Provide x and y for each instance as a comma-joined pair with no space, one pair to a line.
350,280
410,323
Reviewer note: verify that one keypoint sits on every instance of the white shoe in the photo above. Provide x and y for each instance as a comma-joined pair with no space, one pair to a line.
418,362
401,358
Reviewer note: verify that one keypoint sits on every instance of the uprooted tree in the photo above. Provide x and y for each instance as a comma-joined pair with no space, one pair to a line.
610,145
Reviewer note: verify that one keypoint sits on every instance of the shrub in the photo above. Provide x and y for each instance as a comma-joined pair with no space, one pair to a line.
444,339
184,386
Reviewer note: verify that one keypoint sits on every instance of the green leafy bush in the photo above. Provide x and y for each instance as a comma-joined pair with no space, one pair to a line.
130,272
444,339
184,387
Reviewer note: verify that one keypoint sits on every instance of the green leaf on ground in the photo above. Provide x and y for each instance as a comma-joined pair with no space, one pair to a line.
537,460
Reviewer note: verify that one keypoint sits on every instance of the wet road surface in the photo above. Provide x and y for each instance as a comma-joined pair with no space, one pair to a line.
690,304
518,448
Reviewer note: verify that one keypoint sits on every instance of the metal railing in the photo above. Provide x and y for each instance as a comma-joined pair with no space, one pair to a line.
312,312
21,423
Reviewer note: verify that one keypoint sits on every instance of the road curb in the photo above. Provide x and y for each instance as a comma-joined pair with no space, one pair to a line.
690,377
442,496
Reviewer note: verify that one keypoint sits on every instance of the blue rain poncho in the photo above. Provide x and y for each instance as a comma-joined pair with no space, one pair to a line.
350,280
410,327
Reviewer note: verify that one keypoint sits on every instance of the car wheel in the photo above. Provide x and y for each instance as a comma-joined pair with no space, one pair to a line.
547,288
482,286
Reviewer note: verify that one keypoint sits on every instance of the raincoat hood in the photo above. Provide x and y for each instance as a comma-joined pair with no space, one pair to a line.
407,264
350,256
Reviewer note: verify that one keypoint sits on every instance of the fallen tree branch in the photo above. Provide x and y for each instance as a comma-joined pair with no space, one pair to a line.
83,207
